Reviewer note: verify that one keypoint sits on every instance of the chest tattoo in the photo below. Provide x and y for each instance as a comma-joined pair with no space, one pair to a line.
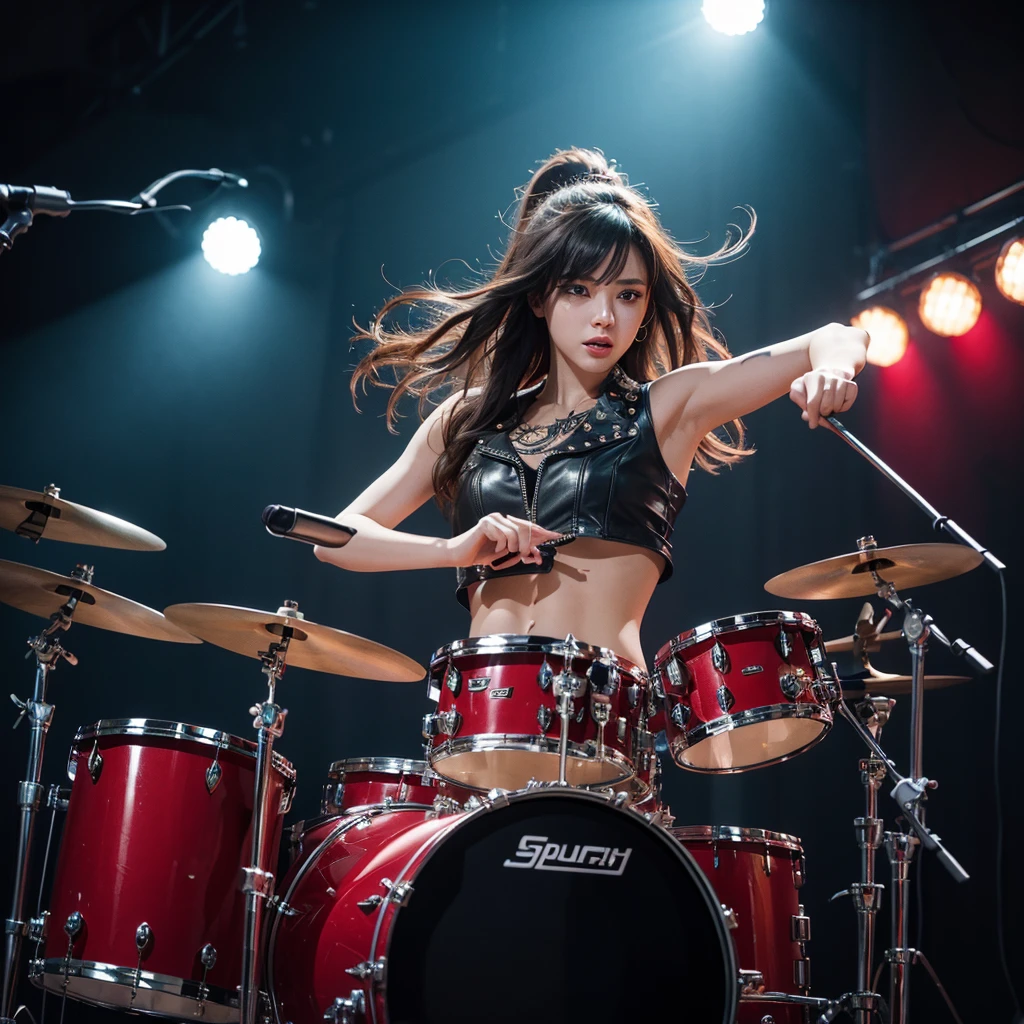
531,440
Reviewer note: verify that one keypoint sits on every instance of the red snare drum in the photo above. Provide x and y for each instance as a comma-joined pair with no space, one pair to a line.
745,691
358,783
758,876
157,832
497,723
526,893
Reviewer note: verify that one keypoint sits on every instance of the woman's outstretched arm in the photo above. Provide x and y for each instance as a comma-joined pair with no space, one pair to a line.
815,369
406,485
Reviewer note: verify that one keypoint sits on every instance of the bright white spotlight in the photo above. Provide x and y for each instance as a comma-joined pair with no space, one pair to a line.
1010,270
733,17
950,304
231,246
888,333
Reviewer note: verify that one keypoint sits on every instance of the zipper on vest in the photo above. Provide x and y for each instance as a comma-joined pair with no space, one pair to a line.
522,488
532,510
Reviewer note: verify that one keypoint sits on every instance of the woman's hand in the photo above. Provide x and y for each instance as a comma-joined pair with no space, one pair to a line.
823,393
497,536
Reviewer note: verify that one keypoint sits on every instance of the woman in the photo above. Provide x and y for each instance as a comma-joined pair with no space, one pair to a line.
585,383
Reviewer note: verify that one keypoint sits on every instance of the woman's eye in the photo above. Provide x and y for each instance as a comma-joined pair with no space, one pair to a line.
575,289
630,296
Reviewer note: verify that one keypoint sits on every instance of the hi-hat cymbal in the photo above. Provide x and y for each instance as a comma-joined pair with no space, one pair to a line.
909,565
42,593
46,515
249,631
883,684
872,644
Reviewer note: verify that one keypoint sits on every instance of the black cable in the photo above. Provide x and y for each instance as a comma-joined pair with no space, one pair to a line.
1000,937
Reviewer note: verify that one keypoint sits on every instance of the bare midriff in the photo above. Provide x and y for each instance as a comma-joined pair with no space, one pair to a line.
598,590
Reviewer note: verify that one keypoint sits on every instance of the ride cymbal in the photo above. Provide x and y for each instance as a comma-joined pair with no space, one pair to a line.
909,565
248,631
46,515
42,593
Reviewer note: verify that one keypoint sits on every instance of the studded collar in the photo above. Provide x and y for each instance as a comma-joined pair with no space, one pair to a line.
611,420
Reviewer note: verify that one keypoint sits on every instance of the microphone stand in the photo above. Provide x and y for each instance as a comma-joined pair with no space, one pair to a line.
19,204
909,792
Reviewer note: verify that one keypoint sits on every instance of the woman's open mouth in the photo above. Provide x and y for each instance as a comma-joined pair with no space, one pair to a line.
599,346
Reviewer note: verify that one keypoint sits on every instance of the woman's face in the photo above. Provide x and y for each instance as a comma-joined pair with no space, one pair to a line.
592,325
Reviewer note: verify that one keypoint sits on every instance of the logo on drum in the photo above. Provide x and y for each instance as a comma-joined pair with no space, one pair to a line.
537,853
501,691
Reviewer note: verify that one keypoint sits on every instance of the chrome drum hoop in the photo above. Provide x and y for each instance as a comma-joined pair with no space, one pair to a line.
515,643
534,744
772,712
380,765
734,624
161,729
738,834
128,978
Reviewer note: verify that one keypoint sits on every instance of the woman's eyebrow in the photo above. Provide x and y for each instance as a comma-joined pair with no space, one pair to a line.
622,280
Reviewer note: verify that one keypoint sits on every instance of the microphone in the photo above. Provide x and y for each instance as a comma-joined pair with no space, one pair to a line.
309,527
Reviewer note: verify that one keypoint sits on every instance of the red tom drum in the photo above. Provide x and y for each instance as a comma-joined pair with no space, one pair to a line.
147,910
358,783
758,876
497,722
745,691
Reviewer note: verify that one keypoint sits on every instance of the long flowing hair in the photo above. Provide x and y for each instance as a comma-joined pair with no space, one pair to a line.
576,211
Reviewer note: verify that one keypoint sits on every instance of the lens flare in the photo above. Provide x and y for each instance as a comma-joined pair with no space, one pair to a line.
733,17
1010,271
950,304
888,333
231,246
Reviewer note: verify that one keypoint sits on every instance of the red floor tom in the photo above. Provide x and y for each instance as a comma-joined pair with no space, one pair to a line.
758,876
745,691
147,911
497,722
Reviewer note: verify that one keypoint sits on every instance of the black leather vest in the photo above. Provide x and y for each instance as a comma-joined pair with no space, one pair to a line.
608,480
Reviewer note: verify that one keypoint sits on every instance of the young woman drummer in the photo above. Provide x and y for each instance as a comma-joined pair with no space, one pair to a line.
583,383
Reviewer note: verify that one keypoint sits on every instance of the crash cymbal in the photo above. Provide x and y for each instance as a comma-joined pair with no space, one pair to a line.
872,644
882,684
46,515
41,593
909,565
249,631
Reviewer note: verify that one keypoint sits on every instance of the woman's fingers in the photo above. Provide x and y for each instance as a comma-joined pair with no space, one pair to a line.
822,393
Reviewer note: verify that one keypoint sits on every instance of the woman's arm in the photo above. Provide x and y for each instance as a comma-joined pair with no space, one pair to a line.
816,369
406,485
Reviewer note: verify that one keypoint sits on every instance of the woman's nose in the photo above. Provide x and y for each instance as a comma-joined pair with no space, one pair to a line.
602,315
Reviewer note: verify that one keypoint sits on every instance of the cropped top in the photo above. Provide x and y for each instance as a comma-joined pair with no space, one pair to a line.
607,480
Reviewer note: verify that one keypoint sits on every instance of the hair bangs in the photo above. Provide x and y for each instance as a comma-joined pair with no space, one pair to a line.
591,235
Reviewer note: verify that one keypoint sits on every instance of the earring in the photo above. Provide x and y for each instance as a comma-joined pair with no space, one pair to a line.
641,340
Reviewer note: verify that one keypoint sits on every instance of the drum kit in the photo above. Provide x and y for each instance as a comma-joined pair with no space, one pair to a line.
515,851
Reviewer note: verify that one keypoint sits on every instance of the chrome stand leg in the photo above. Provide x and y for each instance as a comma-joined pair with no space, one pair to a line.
48,651
900,956
257,880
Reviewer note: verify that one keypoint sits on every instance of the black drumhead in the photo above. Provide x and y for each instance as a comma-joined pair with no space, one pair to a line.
554,908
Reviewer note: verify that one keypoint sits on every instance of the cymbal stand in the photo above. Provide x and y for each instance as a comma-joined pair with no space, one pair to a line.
48,652
257,881
867,893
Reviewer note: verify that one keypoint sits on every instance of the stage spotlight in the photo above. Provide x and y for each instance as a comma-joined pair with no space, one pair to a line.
1010,270
950,304
231,246
888,332
733,17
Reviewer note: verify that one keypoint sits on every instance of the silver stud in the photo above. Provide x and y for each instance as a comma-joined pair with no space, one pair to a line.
602,438
631,398
631,411
570,447
499,426
587,426
586,444
631,431
479,440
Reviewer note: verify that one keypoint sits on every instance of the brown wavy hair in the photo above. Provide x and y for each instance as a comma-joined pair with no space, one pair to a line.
575,212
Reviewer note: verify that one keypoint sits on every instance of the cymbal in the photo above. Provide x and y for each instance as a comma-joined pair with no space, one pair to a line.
872,644
41,593
909,565
882,684
25,512
249,631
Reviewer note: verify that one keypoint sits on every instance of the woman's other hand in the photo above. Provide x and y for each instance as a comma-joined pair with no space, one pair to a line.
821,393
497,536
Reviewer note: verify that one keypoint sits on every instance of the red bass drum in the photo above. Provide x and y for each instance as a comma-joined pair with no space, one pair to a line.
147,910
524,907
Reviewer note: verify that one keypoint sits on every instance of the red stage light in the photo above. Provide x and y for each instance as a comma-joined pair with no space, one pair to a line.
1010,270
950,304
